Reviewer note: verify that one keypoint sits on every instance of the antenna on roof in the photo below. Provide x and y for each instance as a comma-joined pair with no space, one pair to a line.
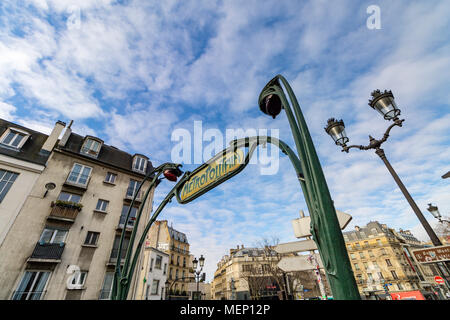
70,124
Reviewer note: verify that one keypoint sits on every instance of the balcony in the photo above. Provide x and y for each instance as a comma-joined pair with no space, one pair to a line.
47,252
64,210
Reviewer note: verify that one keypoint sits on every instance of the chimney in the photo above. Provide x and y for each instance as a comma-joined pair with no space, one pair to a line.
66,135
53,137
357,228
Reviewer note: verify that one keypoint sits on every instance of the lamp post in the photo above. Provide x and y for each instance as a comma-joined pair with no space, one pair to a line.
324,222
123,275
195,263
384,103
435,212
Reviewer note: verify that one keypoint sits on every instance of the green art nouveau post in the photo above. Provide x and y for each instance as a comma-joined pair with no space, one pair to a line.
324,222
123,275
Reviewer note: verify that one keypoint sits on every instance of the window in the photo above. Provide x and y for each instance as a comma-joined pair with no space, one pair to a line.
79,174
361,255
165,268
366,244
357,245
7,178
31,286
176,274
79,279
91,147
110,178
50,235
158,262
375,264
394,274
379,242
115,249
92,238
102,205
380,275
388,262
139,164
132,188
14,138
369,277
366,265
105,293
131,218
184,261
400,287
356,266
66,196
371,253
352,255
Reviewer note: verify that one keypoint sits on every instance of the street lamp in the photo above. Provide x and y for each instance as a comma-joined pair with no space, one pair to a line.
195,264
324,226
435,212
385,104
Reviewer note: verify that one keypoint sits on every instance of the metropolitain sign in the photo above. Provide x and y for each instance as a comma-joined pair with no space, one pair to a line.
220,168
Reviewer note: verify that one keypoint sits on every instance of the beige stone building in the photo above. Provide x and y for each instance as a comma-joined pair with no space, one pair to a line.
23,155
251,273
63,244
175,243
379,255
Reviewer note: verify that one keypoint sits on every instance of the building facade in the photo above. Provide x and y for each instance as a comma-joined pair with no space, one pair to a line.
153,274
175,243
251,273
63,243
23,156
381,260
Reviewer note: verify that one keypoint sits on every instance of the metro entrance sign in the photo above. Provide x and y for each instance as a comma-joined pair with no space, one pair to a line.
212,173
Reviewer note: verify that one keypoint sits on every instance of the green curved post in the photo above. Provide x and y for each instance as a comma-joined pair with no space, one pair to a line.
121,279
324,223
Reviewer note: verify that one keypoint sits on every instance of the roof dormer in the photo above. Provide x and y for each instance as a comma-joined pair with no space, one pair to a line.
139,163
14,138
91,146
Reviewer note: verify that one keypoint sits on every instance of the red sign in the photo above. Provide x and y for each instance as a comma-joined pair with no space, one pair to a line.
438,280
407,295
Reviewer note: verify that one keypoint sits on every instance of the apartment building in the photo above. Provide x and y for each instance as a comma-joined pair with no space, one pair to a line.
63,243
23,156
246,273
153,274
165,238
379,255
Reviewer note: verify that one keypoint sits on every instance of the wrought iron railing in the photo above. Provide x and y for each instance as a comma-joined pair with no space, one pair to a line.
48,251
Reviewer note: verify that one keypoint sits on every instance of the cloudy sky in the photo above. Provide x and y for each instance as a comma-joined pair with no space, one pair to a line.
132,72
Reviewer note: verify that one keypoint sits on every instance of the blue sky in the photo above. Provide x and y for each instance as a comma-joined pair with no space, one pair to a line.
132,72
